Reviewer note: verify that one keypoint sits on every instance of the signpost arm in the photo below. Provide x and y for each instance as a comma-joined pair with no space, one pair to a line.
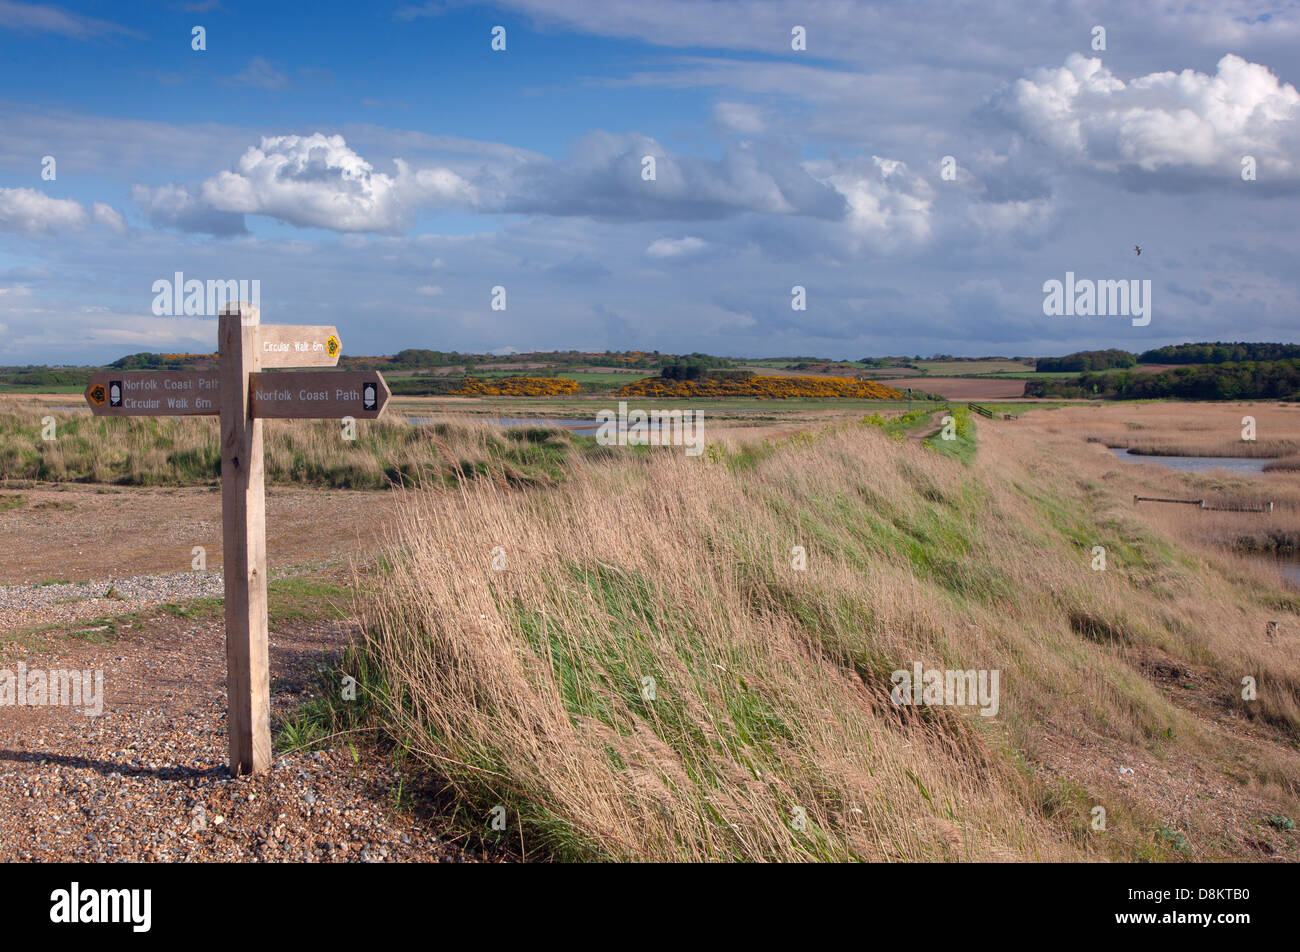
243,511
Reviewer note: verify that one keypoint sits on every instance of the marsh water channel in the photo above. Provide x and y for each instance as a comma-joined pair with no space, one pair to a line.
1289,566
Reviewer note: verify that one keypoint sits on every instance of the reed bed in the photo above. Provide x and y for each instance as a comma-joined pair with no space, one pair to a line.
1186,429
1244,449
170,451
1190,429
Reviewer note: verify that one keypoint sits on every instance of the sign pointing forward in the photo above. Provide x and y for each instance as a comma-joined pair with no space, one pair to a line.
298,345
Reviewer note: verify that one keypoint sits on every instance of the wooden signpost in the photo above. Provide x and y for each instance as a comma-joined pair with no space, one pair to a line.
242,396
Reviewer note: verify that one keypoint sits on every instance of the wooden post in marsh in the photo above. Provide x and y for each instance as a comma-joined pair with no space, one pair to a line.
243,526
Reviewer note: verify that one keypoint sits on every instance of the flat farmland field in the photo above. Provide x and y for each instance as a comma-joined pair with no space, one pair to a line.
964,388
942,368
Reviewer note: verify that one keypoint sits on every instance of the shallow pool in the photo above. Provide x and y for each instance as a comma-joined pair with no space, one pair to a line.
1241,465
577,426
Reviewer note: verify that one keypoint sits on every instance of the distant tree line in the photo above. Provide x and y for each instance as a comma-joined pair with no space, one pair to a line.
424,386
416,357
692,366
1218,353
949,358
1085,360
1275,379
880,363
1203,353
36,378
153,362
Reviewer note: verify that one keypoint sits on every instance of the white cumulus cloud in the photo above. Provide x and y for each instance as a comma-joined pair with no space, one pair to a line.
739,117
173,206
109,216
887,202
317,181
31,212
1163,120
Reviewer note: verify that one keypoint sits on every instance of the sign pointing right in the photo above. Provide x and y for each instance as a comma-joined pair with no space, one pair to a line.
318,395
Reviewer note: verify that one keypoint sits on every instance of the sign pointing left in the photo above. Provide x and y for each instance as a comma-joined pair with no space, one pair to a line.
154,393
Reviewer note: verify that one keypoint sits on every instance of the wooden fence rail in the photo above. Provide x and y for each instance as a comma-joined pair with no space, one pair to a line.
1252,507
1261,507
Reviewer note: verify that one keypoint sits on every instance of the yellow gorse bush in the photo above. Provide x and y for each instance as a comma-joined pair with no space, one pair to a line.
519,387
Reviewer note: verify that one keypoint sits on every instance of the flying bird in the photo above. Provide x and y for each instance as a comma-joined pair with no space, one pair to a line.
1138,249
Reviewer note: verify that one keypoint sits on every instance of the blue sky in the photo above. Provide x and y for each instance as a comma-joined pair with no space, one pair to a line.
380,167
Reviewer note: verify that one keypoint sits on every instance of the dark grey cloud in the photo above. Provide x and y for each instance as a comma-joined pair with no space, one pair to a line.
172,206
602,178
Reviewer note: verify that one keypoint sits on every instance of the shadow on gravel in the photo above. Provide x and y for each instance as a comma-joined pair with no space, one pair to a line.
108,768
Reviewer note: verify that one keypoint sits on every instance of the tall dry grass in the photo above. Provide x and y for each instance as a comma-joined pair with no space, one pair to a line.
163,451
527,683
523,686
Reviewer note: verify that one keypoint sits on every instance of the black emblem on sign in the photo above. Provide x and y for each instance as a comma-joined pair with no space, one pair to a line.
115,393
369,396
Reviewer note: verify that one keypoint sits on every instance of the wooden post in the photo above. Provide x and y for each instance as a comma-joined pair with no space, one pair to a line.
243,396
243,530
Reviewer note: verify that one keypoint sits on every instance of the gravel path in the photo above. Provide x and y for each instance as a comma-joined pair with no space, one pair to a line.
147,779
27,606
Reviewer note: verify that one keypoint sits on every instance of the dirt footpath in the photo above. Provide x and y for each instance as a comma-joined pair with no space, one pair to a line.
76,533
962,388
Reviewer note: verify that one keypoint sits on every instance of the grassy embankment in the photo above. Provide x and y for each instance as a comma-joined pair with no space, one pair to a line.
649,676
955,439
